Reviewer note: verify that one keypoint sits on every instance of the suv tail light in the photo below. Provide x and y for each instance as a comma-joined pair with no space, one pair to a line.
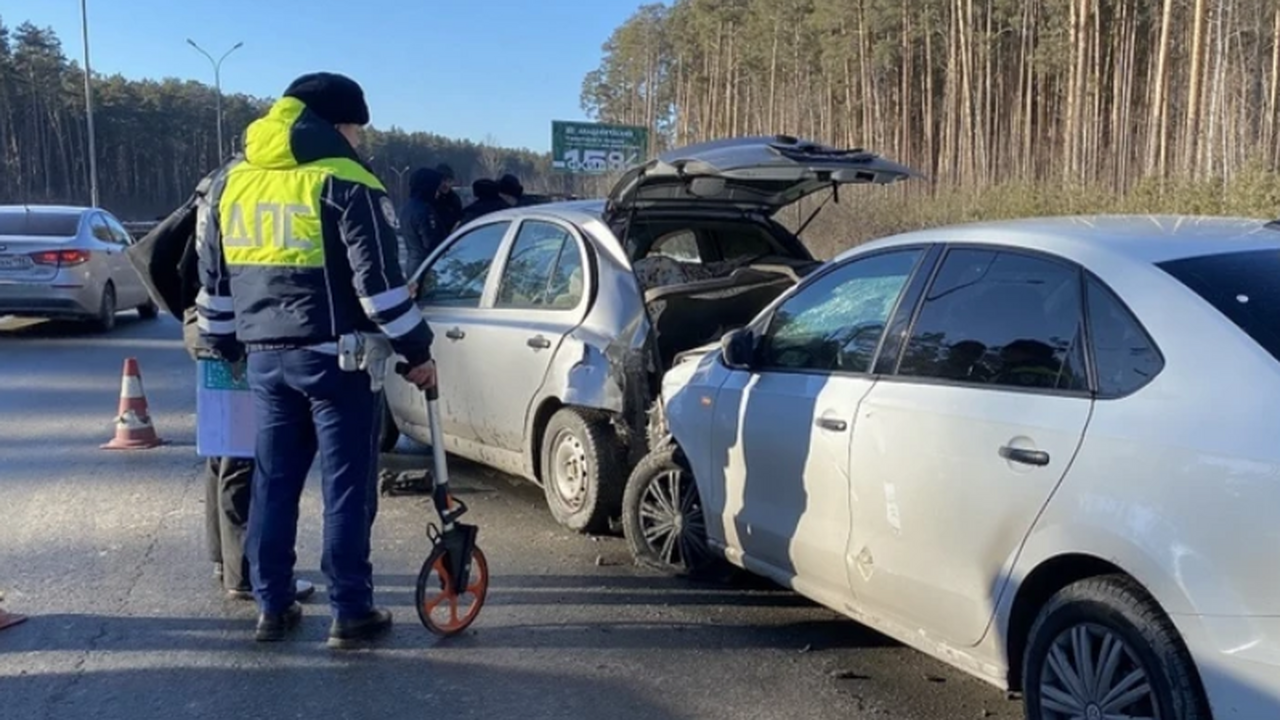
61,257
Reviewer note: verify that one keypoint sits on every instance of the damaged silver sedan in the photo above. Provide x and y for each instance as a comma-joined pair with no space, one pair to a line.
554,323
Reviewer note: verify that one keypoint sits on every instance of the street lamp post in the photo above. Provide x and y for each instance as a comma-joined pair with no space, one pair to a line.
88,106
400,184
217,83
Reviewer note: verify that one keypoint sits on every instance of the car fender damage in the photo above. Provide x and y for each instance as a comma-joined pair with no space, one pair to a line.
589,377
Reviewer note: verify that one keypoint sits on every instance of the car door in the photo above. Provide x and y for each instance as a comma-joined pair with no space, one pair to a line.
782,427
113,263
453,287
129,287
541,296
956,454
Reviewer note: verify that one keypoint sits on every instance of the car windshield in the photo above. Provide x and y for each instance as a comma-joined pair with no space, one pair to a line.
1244,286
38,224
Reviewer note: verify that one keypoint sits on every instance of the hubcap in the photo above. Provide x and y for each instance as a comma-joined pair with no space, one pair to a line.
1092,673
672,521
569,470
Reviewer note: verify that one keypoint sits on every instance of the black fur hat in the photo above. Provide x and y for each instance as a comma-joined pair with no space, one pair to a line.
336,98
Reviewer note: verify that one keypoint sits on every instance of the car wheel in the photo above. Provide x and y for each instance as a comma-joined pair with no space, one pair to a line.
580,470
106,318
1102,648
148,310
388,432
662,516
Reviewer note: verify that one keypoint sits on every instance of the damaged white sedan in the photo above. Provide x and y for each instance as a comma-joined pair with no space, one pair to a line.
554,322
1043,451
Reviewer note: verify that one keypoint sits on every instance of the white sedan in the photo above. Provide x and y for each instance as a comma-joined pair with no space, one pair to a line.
1044,451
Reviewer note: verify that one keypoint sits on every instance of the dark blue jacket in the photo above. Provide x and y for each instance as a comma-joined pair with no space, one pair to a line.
297,246
421,224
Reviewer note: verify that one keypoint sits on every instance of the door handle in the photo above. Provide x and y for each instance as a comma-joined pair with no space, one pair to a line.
1039,458
455,334
832,424
538,342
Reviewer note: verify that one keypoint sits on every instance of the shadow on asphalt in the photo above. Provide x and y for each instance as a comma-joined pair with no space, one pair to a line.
579,590
64,329
351,686
811,635
67,633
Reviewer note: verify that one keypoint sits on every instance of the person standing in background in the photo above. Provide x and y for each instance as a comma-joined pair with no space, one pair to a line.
487,200
511,190
421,224
448,204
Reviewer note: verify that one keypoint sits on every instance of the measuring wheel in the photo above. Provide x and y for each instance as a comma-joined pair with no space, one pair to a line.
454,580
443,607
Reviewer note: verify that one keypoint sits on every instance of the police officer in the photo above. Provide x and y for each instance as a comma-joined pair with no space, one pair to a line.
297,261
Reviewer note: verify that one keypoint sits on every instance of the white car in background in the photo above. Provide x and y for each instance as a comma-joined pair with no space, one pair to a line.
67,263
1044,451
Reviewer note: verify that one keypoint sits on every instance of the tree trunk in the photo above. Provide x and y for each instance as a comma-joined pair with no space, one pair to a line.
1195,94
1157,145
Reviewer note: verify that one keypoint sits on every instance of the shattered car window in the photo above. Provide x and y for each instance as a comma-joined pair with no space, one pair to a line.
835,324
544,269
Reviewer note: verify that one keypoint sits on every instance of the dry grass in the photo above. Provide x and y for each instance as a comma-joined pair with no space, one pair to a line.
868,213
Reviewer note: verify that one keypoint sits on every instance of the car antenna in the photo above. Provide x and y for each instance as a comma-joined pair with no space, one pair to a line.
835,193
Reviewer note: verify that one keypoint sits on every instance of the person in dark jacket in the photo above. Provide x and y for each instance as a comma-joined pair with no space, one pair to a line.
448,204
511,190
421,224
168,262
298,262
487,200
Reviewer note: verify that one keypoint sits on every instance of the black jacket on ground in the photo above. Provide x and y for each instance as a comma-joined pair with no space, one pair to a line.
420,222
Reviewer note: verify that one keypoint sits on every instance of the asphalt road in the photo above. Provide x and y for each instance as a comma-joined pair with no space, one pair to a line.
104,552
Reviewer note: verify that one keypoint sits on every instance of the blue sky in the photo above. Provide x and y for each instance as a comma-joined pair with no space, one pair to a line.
460,68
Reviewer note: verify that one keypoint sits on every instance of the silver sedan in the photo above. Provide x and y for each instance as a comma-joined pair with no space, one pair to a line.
554,322
67,263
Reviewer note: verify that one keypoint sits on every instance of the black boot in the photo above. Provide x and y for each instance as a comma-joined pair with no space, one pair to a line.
346,634
272,627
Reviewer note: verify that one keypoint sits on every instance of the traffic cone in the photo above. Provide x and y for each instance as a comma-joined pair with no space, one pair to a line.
7,620
133,424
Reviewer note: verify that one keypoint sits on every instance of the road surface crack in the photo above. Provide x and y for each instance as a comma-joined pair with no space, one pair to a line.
77,673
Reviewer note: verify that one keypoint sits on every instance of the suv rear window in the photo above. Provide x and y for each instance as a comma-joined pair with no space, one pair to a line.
38,224
1244,286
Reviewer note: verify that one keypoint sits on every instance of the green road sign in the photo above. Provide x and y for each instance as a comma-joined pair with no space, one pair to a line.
595,149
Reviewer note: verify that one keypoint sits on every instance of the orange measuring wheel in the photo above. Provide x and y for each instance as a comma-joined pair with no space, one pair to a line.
442,607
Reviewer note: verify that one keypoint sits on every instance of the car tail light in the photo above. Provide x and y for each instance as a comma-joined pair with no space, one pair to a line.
61,257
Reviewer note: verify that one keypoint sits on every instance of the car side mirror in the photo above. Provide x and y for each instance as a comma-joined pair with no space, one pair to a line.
737,349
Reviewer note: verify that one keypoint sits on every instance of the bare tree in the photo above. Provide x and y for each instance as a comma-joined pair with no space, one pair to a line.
490,162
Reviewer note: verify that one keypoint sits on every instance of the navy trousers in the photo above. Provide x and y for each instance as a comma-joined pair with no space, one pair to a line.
304,403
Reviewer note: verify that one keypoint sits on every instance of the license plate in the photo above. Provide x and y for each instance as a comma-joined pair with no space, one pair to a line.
14,262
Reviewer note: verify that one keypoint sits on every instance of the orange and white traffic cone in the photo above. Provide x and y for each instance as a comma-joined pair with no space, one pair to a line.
133,424
8,620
